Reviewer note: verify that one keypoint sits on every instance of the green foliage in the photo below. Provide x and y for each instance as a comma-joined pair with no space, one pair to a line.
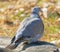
53,15
17,16
53,29
39,1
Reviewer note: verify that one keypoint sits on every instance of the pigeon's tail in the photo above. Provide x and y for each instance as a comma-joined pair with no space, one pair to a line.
11,46
13,43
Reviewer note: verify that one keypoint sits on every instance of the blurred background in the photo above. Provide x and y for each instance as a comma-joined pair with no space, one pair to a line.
12,12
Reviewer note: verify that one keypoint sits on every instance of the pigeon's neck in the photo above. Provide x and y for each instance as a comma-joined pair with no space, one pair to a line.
34,15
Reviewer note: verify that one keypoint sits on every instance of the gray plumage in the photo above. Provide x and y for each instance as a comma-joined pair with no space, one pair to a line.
30,29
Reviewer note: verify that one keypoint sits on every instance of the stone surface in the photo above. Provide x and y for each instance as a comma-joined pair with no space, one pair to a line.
5,50
33,47
40,47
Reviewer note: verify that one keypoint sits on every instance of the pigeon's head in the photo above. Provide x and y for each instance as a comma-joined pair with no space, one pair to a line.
36,10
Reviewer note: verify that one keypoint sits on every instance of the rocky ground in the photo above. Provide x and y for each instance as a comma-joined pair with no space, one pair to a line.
4,41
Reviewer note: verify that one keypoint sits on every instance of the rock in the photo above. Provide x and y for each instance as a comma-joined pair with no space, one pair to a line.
5,50
34,47
8,50
40,47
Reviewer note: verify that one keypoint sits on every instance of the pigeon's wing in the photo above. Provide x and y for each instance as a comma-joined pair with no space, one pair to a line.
30,29
12,39
34,26
22,24
20,28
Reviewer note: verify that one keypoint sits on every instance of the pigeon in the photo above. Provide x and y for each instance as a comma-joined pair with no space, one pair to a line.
30,29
